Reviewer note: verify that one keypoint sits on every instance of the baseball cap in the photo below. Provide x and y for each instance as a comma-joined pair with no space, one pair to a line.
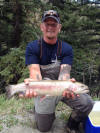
51,14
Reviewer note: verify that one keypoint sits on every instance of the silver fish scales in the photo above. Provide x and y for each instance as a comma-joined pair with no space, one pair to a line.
47,87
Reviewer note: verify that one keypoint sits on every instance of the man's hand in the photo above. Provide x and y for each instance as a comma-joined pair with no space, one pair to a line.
68,93
29,92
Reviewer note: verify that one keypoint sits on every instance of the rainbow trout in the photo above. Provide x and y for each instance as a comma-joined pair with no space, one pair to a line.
47,87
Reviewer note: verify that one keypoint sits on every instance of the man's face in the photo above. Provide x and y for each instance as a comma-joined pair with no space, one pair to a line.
50,28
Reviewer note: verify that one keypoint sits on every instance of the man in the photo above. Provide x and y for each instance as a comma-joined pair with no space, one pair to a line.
47,59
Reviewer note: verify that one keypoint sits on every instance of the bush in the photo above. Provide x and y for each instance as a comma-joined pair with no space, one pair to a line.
12,68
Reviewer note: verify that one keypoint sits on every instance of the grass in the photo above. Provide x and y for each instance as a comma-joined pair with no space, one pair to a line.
1,127
10,121
63,111
96,98
20,106
12,107
17,106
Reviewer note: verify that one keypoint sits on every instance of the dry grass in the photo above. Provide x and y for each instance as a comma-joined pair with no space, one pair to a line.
13,107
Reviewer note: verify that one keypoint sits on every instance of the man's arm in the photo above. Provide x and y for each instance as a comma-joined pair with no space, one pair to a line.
64,72
34,75
65,75
34,71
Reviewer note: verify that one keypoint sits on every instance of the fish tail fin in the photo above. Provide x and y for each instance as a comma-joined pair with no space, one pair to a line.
9,90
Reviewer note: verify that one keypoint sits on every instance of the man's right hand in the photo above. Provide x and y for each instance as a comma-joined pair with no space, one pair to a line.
29,92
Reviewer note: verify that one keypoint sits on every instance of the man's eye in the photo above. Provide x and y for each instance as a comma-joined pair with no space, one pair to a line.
52,25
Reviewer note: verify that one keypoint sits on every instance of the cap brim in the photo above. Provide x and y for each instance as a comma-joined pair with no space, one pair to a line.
58,21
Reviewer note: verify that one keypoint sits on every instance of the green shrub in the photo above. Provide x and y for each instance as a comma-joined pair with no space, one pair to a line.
12,67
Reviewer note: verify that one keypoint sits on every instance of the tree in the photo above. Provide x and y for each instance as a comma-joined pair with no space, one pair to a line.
80,28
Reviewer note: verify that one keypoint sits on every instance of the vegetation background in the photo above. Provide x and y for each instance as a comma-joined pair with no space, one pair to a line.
19,24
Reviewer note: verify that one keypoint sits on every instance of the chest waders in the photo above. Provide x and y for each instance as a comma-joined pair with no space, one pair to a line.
51,71
45,109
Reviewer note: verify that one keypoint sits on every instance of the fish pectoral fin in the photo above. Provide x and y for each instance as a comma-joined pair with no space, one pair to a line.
42,98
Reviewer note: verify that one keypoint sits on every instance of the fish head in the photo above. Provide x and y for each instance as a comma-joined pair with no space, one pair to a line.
81,86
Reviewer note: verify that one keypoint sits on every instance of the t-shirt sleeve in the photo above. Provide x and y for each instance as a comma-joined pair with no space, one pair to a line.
67,55
32,54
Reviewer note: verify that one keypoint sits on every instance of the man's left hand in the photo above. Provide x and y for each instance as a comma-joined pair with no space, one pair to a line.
68,93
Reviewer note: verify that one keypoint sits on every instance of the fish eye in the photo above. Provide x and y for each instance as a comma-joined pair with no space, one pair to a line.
82,86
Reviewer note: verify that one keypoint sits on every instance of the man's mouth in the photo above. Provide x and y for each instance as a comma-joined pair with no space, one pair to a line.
50,31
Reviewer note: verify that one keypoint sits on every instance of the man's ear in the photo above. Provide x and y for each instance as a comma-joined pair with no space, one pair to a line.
41,27
60,27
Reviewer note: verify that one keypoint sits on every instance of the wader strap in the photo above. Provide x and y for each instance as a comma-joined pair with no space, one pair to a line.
58,49
40,45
